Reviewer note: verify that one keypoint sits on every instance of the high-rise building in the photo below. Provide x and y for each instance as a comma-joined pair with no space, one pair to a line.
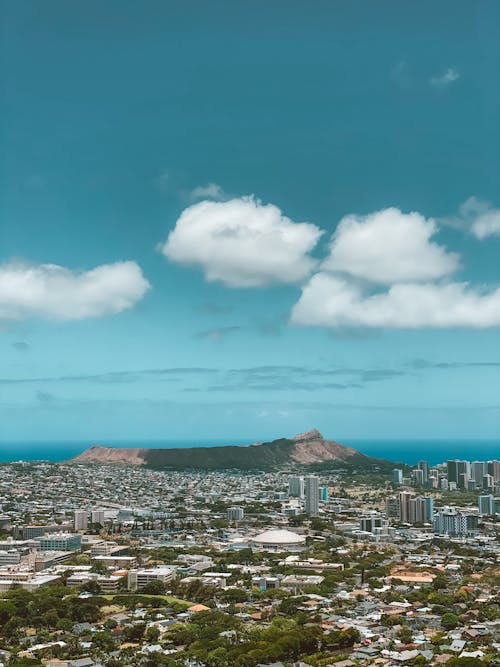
486,504
433,478
392,507
418,477
488,482
369,523
312,495
97,516
478,469
415,509
81,520
429,508
494,470
452,471
323,494
458,472
397,476
454,521
296,487
463,480
424,467
404,506
235,513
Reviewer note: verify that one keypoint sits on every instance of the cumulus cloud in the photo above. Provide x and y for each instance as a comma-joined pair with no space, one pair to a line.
443,80
209,191
478,216
389,246
243,243
330,301
55,292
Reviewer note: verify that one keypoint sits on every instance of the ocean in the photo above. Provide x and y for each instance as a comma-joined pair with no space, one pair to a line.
405,451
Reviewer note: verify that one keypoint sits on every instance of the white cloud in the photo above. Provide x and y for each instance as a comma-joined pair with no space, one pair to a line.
480,217
328,301
243,243
389,246
209,191
164,180
449,76
55,292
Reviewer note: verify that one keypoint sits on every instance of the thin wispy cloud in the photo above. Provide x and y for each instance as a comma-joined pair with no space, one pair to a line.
208,191
423,364
215,309
218,334
402,76
477,217
165,181
171,374
445,79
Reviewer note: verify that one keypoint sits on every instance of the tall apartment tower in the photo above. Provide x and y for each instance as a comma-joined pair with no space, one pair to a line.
296,487
452,471
397,476
424,467
494,470
418,477
485,504
312,495
404,506
81,520
478,469
487,482
97,516
458,472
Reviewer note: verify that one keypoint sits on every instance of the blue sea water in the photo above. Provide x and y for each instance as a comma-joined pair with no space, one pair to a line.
405,451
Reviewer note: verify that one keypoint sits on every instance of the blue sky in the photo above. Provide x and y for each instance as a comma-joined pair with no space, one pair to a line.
171,178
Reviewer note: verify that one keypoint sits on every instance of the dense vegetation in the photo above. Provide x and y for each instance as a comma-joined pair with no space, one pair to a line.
264,456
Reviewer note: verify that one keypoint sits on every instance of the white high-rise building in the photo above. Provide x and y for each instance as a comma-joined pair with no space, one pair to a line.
296,487
97,516
454,521
81,520
235,513
312,495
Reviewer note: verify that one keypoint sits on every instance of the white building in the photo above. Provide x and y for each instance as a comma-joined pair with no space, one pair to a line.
81,520
296,487
455,522
97,516
235,513
137,579
279,540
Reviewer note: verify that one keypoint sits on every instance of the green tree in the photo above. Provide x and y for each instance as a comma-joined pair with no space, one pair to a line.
152,634
449,621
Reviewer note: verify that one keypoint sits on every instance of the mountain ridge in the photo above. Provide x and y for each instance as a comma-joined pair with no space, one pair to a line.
302,449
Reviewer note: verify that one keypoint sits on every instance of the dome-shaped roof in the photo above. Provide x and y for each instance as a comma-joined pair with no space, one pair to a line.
279,537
